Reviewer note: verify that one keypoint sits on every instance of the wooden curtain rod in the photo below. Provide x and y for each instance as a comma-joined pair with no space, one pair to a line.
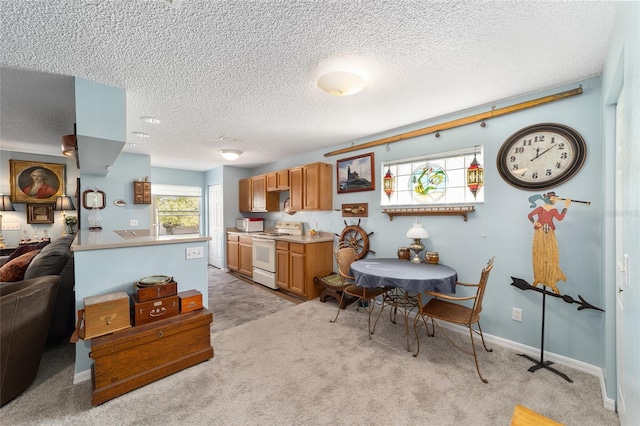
459,122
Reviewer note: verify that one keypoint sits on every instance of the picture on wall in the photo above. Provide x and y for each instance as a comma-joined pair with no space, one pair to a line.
39,213
356,174
36,182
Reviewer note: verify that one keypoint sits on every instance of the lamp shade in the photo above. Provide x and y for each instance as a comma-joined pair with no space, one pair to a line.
64,203
230,154
417,231
5,204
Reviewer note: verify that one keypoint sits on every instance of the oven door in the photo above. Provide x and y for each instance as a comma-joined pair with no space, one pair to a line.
264,254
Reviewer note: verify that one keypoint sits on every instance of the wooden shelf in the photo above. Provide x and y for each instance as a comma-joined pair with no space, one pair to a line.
430,211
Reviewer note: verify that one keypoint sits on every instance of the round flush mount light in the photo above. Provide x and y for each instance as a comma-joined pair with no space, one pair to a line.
341,83
230,154
150,120
140,134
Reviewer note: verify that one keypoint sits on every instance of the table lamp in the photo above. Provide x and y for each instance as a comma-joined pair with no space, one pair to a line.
64,203
5,206
417,232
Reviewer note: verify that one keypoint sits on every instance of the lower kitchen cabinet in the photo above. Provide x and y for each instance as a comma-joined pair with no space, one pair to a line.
239,254
297,264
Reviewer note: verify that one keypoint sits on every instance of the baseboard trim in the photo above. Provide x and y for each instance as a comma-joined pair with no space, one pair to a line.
608,403
82,376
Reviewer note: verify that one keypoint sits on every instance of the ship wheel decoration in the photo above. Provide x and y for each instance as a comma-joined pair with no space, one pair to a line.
356,237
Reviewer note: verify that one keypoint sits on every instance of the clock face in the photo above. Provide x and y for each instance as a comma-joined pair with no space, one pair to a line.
541,156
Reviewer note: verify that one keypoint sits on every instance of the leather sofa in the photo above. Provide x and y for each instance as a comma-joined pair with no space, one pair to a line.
26,308
56,258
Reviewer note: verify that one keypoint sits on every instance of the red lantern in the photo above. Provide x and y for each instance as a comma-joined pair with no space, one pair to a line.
388,182
475,176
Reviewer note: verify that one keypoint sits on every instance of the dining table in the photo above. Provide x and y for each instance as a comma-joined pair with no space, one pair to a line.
406,278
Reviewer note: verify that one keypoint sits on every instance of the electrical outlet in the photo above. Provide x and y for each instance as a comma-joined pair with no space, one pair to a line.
133,222
516,315
193,252
10,226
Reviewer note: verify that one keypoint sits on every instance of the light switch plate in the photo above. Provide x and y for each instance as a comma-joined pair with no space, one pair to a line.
193,252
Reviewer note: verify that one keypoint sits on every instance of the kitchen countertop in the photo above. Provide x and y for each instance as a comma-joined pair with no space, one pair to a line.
304,239
107,239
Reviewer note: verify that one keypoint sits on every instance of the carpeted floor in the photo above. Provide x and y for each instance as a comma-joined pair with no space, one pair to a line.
294,367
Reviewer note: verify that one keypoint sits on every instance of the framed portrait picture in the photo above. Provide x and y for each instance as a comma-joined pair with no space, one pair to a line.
356,174
39,213
35,182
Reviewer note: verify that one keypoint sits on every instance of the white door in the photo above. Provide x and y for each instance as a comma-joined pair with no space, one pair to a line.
216,226
622,277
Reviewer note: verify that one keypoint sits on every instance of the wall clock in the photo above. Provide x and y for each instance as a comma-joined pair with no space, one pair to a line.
541,156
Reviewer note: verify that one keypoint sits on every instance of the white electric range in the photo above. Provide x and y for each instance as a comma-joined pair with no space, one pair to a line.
264,252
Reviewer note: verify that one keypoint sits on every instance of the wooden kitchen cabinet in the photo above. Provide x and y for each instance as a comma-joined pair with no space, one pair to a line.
240,254
311,187
245,256
297,265
278,181
261,199
244,194
295,189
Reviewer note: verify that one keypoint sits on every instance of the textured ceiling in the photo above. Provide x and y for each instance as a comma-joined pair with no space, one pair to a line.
247,69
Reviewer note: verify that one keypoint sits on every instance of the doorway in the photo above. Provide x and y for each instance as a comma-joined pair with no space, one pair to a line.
216,228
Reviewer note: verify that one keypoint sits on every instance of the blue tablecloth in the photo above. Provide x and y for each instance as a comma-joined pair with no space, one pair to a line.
413,277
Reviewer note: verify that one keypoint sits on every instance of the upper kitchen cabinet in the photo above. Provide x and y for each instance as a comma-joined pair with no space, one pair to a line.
311,187
261,199
278,181
244,195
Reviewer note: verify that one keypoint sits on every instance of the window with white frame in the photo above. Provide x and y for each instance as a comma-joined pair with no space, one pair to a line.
177,209
436,179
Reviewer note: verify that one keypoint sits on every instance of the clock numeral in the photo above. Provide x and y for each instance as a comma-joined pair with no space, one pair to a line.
518,150
539,138
558,165
515,167
561,145
548,172
564,155
512,159
535,175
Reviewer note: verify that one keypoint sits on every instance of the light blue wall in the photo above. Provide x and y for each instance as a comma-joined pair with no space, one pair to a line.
100,110
622,76
19,216
118,185
500,227
110,270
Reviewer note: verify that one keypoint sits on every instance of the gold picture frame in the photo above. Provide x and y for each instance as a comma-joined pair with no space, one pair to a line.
356,174
49,176
39,213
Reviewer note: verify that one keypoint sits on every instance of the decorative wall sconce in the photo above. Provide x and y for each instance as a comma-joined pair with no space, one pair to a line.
475,176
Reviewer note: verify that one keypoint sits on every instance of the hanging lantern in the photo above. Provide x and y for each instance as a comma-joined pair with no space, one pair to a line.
475,176
388,183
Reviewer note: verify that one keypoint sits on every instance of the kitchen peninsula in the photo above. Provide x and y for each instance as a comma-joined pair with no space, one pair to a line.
108,261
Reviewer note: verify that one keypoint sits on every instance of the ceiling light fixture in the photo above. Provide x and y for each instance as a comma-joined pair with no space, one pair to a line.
140,134
151,120
341,83
230,154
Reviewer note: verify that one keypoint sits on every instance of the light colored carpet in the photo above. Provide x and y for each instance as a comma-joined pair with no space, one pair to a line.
294,367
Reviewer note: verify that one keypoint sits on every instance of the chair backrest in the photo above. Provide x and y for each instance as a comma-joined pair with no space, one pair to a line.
482,285
345,256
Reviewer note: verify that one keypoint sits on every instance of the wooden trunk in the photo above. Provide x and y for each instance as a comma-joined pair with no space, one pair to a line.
144,294
135,357
154,310
190,300
105,313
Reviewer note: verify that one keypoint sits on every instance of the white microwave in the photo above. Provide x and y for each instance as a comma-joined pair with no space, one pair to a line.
250,224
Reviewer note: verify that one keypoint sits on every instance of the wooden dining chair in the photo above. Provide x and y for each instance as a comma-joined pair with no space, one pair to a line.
445,307
345,255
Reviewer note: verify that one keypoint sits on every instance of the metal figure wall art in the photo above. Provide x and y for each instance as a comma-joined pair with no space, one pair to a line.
546,263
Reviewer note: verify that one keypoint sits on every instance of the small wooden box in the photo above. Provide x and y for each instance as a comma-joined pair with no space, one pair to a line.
106,313
132,358
190,300
154,310
144,294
